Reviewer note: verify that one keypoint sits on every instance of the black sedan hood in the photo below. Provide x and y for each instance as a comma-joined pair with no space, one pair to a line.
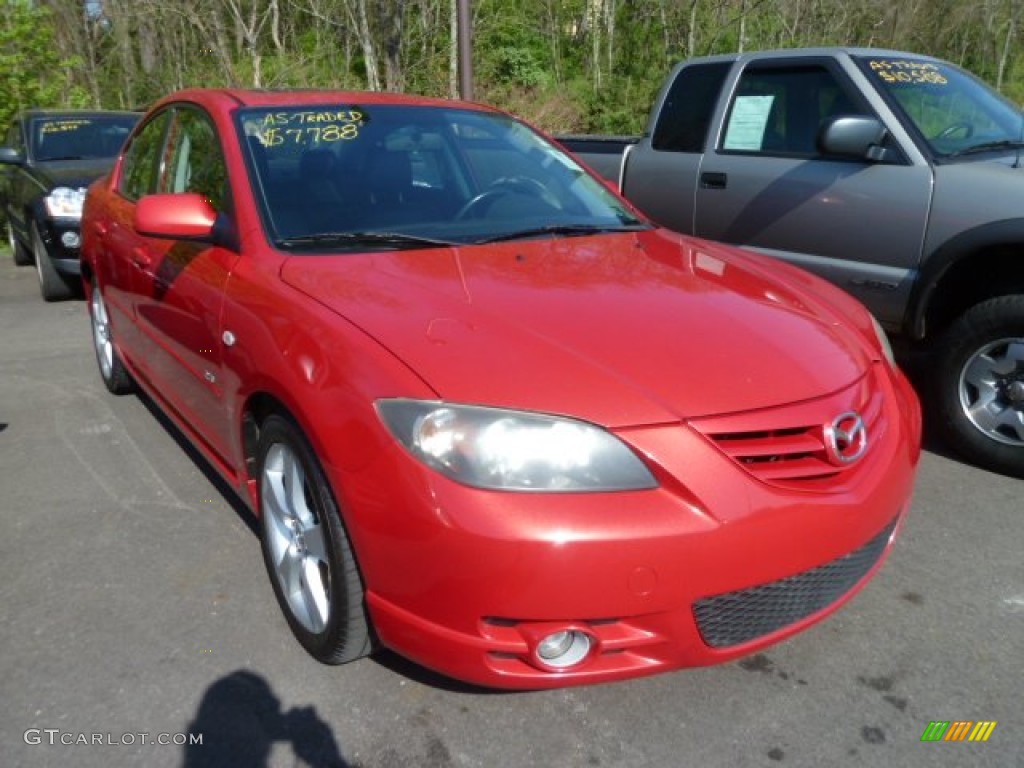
72,173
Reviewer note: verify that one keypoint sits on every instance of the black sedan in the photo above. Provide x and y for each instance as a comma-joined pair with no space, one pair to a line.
47,160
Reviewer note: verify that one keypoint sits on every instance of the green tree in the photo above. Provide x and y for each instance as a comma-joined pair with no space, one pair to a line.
32,71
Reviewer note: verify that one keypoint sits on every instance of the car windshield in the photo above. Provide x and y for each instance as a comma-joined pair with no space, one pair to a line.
345,176
74,137
955,113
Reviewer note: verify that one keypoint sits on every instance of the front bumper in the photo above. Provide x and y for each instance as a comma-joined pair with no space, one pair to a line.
715,563
62,240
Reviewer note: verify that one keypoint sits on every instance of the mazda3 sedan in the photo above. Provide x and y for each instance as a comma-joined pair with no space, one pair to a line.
489,416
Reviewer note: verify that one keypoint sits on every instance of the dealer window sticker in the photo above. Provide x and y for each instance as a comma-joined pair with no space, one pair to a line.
64,126
907,71
747,123
311,126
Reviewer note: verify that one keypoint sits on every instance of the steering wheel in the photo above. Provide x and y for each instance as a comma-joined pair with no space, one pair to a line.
506,185
951,129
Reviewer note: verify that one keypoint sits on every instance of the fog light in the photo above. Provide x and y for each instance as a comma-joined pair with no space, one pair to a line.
70,239
564,649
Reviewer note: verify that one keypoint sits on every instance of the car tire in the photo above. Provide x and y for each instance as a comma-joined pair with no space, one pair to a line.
52,286
115,376
306,550
22,255
978,390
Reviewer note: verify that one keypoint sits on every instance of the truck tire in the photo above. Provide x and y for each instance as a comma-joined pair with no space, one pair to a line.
978,388
52,284
22,255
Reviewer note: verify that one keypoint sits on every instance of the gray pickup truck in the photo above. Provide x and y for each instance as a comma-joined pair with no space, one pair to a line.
896,176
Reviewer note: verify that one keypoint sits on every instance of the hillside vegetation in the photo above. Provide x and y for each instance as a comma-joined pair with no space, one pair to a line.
568,65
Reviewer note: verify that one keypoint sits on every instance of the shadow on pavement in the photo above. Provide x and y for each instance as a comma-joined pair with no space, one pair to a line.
240,720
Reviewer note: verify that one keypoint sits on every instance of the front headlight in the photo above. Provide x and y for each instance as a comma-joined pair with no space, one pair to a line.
65,203
512,450
883,341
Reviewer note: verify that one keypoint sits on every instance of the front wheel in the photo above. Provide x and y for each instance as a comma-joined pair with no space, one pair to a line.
306,550
978,392
22,255
52,285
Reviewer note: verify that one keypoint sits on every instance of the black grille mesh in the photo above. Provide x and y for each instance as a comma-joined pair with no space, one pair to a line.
738,617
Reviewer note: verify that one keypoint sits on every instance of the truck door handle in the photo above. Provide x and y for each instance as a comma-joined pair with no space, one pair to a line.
713,180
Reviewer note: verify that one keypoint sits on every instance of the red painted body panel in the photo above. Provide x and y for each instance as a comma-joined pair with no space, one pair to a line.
654,335
669,342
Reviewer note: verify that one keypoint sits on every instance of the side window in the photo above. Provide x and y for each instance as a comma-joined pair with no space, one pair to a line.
142,159
779,111
194,161
683,122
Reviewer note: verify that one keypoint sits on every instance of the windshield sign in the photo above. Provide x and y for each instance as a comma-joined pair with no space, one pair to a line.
352,177
79,138
955,113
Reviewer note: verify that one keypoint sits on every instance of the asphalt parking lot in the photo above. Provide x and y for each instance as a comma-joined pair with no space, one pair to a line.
135,609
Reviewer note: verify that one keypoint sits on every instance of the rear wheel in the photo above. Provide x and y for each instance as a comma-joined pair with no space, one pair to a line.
22,255
978,392
52,285
306,550
112,370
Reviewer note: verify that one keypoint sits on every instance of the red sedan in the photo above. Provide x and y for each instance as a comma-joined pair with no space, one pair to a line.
488,415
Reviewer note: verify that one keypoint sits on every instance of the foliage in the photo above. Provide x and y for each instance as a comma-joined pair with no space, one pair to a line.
569,65
33,73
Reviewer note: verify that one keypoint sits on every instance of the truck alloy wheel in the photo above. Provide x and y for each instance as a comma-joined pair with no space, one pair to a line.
980,383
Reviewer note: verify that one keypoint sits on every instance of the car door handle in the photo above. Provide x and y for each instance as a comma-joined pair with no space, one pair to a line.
140,258
713,180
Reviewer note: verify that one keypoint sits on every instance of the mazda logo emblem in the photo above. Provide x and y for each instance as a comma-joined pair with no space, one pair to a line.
846,439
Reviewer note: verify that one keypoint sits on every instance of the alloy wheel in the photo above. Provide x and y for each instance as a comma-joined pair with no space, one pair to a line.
101,333
992,391
296,539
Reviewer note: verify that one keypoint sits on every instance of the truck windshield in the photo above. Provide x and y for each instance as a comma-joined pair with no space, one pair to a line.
349,176
954,112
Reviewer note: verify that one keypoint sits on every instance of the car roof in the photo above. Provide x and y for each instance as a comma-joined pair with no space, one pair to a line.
236,97
782,53
31,114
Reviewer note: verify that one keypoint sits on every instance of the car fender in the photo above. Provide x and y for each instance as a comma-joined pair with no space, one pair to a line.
312,361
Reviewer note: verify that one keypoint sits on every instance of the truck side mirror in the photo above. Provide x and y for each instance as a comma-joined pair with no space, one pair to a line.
854,136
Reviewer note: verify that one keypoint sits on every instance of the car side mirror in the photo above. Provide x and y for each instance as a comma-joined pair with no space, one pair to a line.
11,156
854,136
186,216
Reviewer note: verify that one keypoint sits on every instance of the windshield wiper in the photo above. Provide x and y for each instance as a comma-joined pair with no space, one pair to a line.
397,239
567,230
987,146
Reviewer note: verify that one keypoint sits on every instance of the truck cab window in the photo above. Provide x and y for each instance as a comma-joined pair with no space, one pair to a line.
686,114
781,110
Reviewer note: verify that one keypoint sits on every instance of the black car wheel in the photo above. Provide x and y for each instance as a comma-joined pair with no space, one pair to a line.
22,255
52,285
307,552
978,392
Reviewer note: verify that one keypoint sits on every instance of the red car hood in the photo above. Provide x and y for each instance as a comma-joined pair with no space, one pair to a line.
621,330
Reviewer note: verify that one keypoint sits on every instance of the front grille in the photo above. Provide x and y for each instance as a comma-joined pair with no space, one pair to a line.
774,449
738,617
